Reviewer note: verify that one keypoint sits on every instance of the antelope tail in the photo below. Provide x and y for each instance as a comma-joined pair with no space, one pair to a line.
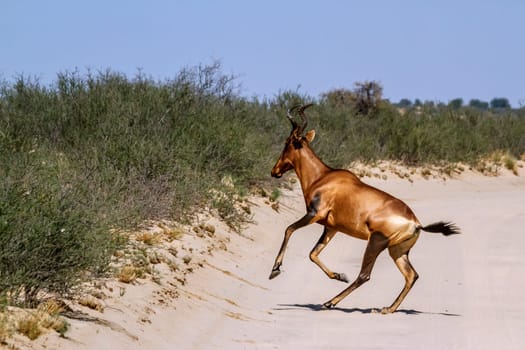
446,228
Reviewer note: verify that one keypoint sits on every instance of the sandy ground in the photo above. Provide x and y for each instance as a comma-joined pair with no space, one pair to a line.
470,294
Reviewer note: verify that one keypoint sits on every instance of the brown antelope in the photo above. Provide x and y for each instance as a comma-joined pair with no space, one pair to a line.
340,201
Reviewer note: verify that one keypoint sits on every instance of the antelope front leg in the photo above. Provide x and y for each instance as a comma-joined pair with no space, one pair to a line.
376,244
325,238
305,220
279,259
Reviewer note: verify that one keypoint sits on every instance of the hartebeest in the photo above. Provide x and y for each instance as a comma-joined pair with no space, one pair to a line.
340,201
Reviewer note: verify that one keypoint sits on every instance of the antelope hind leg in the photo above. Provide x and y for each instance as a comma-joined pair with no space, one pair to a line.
411,276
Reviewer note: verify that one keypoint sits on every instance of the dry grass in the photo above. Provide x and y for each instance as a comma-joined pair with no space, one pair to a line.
34,323
91,302
127,274
159,232
149,238
49,316
29,326
171,232
6,329
491,164
510,163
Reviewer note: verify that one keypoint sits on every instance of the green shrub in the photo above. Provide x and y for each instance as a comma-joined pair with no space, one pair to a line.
49,236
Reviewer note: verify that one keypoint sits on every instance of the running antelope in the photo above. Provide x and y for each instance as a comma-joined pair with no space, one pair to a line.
338,200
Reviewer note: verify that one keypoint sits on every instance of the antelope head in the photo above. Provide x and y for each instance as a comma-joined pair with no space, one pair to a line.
294,143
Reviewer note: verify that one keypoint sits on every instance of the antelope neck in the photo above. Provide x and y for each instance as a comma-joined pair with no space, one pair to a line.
309,168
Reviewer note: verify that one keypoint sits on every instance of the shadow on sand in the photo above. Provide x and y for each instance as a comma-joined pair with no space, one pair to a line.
320,307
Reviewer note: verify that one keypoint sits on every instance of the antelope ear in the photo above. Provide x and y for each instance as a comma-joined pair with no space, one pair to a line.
310,136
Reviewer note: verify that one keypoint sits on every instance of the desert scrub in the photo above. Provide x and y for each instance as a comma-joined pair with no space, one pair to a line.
93,152
50,239
90,153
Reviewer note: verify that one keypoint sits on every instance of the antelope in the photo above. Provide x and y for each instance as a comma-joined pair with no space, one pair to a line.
338,200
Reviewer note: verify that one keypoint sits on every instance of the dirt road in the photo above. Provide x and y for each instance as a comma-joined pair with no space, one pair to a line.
470,294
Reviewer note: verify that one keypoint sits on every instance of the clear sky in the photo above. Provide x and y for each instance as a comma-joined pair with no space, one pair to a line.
426,49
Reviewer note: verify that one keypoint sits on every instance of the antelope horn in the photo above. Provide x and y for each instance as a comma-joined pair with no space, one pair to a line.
290,117
303,116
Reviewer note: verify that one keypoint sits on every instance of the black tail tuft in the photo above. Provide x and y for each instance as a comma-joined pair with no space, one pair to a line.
446,228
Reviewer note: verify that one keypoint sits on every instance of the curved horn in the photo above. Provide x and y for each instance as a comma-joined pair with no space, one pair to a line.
290,117
303,116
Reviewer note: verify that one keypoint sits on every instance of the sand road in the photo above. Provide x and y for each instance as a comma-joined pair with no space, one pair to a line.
470,294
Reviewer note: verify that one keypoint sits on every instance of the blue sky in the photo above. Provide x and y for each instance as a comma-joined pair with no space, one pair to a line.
431,50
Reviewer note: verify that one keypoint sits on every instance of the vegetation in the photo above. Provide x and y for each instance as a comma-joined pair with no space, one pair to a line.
476,103
499,102
97,151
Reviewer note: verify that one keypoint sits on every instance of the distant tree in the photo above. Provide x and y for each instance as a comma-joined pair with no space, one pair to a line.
364,98
417,102
499,103
429,104
404,103
456,103
475,103
367,94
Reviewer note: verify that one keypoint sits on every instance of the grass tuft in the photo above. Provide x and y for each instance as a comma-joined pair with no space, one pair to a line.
149,238
29,326
128,274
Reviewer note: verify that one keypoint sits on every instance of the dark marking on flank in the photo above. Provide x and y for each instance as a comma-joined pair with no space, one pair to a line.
313,207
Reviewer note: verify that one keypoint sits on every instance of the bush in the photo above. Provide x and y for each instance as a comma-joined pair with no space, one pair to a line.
415,136
100,151
49,237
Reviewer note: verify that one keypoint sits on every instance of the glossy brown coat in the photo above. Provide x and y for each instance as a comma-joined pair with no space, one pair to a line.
341,202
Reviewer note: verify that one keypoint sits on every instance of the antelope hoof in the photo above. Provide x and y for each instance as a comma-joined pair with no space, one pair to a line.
329,305
384,311
275,273
341,277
